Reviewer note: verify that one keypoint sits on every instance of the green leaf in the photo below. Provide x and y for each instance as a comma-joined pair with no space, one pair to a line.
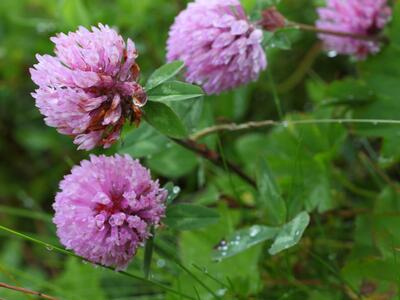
143,141
244,239
240,273
270,196
290,234
173,162
175,91
173,192
163,74
164,119
358,270
190,216
349,92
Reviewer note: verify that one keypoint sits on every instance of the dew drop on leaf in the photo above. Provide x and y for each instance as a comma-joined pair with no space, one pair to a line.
254,231
221,292
332,54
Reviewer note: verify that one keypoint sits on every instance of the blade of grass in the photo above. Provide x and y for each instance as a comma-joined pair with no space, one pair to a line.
210,276
275,95
160,249
197,293
335,273
191,274
148,254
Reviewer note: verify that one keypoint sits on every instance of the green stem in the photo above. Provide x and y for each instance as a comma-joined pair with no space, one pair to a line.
148,253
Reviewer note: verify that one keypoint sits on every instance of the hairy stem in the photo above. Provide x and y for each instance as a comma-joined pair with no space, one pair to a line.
268,123
306,27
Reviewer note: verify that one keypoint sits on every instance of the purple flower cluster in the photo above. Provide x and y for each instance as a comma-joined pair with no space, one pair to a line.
106,207
219,46
90,87
363,17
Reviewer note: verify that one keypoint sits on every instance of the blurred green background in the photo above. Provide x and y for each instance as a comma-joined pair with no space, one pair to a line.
346,176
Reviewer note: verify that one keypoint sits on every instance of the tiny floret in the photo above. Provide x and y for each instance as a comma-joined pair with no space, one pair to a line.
219,46
106,207
89,88
359,17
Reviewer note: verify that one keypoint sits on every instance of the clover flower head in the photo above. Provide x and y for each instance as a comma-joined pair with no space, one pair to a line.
89,88
219,46
106,207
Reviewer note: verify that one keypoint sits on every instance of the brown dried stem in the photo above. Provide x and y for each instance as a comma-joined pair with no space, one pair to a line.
215,158
26,291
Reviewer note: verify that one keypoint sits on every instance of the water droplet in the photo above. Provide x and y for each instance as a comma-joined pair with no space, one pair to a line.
285,124
223,253
297,232
332,54
221,292
169,145
224,248
223,242
176,189
85,262
237,238
49,247
254,230
161,263
205,270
